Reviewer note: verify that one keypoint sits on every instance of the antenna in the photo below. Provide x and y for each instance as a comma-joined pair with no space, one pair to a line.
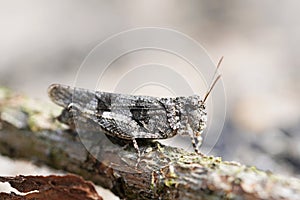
213,81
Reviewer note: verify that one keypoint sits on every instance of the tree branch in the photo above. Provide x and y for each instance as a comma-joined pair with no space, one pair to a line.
28,131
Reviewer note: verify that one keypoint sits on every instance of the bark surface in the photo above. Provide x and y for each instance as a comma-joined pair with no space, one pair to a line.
29,131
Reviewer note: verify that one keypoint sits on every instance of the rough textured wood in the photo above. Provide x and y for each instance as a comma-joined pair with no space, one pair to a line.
28,131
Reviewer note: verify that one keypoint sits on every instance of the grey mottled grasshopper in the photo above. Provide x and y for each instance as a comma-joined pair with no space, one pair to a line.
128,117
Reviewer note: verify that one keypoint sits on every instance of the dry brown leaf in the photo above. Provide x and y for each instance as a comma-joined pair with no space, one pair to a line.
50,187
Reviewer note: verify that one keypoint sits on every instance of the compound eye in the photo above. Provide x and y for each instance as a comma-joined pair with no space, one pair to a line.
195,102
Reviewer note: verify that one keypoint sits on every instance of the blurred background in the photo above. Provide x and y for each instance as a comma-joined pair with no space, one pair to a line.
44,42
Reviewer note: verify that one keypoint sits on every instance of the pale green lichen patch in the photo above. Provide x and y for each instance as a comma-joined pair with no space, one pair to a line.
171,171
171,182
170,176
15,117
176,169
26,113
4,93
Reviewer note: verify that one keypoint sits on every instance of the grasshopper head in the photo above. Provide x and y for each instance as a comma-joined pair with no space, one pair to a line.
194,119
195,114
